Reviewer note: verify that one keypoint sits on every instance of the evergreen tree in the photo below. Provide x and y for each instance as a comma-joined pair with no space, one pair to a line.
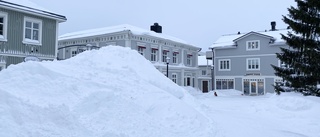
303,55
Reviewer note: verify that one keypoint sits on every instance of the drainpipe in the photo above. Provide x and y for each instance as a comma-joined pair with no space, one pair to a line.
212,70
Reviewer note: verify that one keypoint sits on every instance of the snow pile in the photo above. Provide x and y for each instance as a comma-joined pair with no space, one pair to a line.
111,92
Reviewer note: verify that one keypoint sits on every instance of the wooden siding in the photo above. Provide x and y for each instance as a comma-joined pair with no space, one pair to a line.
14,46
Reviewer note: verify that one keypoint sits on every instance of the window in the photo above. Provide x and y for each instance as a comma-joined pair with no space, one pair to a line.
164,55
253,64
225,83
3,26
32,31
154,54
224,65
73,53
174,57
253,45
174,78
282,64
204,72
141,50
189,61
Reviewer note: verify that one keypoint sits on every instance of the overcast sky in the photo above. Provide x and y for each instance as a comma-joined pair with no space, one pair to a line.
199,22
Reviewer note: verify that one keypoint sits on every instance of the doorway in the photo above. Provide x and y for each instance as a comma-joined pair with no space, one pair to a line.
205,88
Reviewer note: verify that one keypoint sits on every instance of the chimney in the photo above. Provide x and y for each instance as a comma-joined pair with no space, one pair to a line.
156,28
273,26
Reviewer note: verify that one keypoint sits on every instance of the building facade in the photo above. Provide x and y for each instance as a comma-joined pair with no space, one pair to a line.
205,73
27,32
151,44
243,61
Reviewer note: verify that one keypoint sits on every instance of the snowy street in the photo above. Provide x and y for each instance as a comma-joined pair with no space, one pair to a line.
289,115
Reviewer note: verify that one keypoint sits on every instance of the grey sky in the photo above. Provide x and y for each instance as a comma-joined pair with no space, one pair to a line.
199,22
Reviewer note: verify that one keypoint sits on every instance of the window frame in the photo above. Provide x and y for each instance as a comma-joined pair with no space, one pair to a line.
225,84
224,69
154,55
3,37
175,57
141,50
164,55
32,41
73,53
203,72
252,41
189,60
251,59
174,79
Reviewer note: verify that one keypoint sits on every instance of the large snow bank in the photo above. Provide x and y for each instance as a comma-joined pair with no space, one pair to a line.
111,92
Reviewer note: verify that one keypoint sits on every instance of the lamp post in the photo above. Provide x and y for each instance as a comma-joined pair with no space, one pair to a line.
167,61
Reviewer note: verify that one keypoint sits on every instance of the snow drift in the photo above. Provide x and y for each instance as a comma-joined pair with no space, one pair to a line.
111,92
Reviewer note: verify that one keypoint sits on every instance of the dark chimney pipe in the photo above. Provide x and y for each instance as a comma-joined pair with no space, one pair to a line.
273,26
156,28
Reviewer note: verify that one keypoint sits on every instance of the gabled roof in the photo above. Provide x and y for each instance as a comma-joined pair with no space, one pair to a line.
27,6
119,28
252,33
226,41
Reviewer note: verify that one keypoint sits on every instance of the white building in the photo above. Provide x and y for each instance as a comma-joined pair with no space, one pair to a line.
152,44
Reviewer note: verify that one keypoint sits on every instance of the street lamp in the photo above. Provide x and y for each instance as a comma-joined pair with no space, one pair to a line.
167,61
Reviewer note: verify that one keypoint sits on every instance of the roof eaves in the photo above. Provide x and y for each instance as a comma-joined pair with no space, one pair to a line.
250,33
25,9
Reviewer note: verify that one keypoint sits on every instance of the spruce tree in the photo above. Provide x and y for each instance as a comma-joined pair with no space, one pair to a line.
303,55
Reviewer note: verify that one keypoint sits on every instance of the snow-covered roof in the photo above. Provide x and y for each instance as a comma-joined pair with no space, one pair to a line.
124,27
229,40
30,7
202,61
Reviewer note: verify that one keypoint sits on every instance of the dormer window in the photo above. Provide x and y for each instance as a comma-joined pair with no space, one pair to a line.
253,45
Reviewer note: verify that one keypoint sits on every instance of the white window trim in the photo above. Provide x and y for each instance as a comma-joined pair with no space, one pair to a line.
30,41
141,50
189,57
247,45
5,26
219,61
74,51
247,64
156,54
176,78
177,55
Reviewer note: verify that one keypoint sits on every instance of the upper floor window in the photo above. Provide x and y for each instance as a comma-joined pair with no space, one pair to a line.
141,50
204,72
32,31
174,78
189,61
224,64
164,55
174,57
154,54
253,64
3,26
253,45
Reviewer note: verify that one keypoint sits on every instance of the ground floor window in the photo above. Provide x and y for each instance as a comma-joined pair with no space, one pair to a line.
174,78
253,86
225,83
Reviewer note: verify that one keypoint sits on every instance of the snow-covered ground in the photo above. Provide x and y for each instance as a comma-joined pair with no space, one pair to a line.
115,92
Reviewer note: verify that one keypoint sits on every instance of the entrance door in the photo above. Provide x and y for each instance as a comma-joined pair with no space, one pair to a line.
253,87
188,81
205,86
